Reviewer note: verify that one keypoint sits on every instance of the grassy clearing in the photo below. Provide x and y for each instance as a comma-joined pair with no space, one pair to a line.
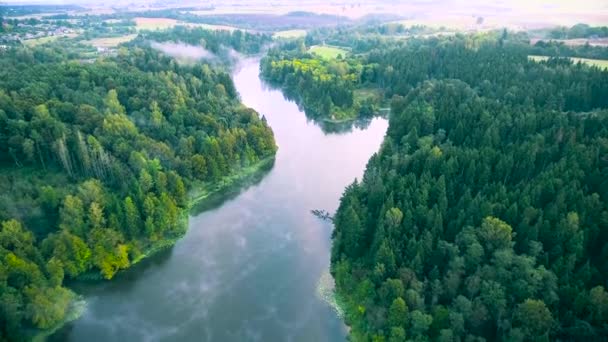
328,52
367,94
39,41
289,34
111,41
154,23
600,63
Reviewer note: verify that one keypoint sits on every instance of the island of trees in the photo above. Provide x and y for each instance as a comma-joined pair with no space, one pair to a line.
484,216
97,161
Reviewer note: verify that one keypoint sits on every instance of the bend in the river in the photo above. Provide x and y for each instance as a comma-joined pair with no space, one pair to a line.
248,269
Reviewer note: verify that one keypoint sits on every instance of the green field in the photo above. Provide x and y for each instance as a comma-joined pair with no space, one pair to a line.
39,41
289,34
600,63
111,42
367,94
328,52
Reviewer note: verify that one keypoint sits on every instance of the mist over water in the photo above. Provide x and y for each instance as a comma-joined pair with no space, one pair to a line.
248,269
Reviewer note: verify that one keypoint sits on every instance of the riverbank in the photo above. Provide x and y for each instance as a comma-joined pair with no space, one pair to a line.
204,191
252,253
199,194
76,309
326,290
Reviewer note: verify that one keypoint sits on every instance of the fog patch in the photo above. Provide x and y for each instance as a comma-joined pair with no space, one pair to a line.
233,56
193,53
182,51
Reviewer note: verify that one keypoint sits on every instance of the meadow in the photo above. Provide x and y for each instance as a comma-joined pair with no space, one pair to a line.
111,41
600,63
327,51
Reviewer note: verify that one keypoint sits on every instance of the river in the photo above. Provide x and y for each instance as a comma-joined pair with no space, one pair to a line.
246,270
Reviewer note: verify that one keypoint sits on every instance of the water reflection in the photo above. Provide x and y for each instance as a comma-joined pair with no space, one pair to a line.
328,126
249,265
217,199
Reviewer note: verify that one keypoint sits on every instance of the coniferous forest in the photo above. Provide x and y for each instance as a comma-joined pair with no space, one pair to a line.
484,216
96,164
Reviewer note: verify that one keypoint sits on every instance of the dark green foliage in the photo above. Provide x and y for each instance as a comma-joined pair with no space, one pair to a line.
485,213
96,160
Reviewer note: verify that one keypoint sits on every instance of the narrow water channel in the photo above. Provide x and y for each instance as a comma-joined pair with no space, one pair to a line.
248,269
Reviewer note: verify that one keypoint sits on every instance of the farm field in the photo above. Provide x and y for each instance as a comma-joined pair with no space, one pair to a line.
111,41
328,52
594,62
39,41
47,39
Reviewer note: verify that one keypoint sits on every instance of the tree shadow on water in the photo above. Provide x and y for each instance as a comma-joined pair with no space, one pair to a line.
215,200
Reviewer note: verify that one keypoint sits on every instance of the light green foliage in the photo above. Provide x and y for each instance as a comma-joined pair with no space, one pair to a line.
325,87
94,169
47,306
534,318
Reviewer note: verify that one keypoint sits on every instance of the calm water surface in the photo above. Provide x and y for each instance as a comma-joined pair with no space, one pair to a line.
248,269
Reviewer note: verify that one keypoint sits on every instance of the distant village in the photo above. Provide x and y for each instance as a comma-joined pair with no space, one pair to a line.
32,29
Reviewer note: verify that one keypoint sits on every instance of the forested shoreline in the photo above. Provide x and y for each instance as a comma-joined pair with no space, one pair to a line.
484,216
97,161
356,84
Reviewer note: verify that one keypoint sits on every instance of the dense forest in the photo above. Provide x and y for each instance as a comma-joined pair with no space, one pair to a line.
356,84
97,161
484,216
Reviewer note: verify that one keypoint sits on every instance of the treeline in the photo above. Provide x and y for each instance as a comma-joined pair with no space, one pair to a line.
362,39
496,69
579,31
485,214
213,40
560,49
96,161
331,89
